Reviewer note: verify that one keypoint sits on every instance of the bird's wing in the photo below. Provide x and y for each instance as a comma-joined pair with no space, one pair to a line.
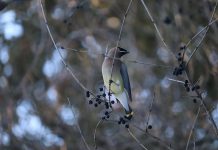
125,77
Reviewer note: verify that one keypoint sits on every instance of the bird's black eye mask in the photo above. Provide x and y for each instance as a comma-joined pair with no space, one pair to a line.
122,51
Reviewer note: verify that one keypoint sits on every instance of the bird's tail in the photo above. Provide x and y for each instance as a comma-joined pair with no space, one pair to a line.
129,113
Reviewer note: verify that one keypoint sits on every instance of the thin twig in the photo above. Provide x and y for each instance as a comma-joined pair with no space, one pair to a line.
135,138
169,147
149,64
149,113
196,35
95,144
127,60
74,50
207,28
174,80
193,126
56,47
203,104
78,126
119,38
194,143
155,26
189,78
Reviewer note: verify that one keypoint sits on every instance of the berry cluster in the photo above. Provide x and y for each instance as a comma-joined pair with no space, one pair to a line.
182,64
190,87
99,99
106,115
187,86
124,122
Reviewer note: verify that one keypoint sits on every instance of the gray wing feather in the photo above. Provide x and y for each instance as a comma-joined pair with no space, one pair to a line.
125,77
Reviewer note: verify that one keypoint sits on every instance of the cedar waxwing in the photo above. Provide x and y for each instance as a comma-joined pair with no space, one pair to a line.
120,85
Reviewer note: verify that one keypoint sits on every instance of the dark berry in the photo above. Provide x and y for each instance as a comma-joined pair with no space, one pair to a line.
123,121
106,104
186,81
98,96
108,116
127,126
106,113
193,88
96,105
101,89
87,94
167,20
119,122
104,95
107,107
179,54
99,102
65,21
182,47
150,127
112,102
90,102
103,118
175,72
194,100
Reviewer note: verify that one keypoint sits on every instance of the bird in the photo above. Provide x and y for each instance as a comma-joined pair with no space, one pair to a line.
116,79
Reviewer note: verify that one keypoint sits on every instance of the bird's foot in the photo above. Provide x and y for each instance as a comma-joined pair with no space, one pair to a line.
129,116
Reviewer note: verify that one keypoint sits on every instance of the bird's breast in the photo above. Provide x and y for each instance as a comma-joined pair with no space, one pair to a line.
117,82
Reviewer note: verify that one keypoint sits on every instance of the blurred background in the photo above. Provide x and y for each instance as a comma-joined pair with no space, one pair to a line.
35,86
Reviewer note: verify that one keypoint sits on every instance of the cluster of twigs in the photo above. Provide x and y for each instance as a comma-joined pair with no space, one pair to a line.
181,69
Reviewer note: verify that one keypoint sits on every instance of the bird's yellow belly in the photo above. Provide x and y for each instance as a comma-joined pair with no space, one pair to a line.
116,85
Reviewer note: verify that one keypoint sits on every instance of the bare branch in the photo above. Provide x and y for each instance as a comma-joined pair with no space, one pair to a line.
119,38
193,126
174,80
169,147
78,126
135,138
149,113
95,132
155,26
207,28
56,47
196,35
